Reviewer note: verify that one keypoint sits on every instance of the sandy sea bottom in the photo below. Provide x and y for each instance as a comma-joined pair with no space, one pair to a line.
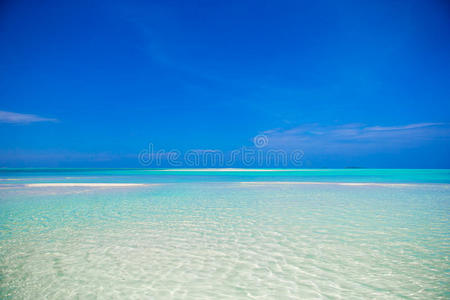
225,241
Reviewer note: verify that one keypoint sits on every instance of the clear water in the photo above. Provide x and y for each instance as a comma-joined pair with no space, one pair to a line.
225,235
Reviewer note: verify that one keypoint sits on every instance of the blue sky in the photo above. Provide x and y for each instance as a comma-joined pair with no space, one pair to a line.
350,83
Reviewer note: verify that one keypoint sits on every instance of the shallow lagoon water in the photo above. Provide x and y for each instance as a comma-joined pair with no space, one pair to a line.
225,235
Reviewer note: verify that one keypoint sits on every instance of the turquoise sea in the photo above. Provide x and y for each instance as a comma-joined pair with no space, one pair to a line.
221,234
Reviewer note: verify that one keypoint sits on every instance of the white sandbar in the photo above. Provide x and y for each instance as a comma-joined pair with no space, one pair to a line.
86,184
223,170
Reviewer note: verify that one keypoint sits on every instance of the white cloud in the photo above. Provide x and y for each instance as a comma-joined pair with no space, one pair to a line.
356,137
17,118
405,127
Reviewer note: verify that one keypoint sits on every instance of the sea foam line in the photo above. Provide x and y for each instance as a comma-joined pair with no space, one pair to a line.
332,183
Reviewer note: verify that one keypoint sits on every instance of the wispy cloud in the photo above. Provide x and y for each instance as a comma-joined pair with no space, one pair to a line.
357,137
405,127
18,118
